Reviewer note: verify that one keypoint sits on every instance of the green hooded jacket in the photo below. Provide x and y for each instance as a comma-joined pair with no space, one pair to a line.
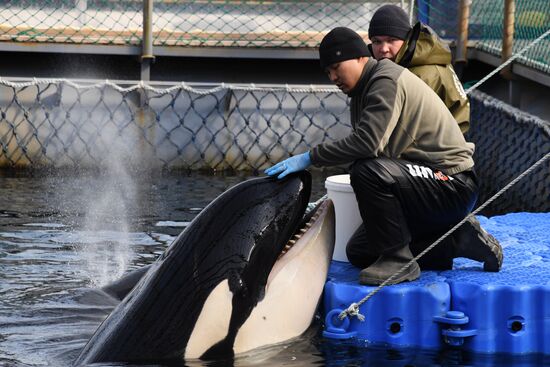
430,60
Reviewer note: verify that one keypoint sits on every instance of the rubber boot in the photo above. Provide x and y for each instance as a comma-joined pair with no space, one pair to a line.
473,242
387,265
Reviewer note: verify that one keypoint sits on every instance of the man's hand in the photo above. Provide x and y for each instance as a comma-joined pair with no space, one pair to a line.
293,164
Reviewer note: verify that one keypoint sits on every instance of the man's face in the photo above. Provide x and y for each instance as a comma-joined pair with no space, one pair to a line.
346,74
386,47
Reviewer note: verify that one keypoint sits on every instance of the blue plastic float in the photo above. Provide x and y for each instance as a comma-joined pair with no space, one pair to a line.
504,312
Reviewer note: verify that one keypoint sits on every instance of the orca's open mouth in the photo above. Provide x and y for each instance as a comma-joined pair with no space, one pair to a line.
307,222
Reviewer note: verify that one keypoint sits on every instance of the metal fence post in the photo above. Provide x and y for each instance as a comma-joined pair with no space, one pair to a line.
144,120
147,56
507,50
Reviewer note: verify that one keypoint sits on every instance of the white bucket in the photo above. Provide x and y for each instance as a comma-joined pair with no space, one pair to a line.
348,219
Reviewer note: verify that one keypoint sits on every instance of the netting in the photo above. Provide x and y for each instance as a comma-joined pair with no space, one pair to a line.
531,19
57,123
245,23
259,23
71,21
60,123
508,141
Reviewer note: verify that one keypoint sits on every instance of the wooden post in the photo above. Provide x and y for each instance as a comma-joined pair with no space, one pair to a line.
508,36
462,40
507,51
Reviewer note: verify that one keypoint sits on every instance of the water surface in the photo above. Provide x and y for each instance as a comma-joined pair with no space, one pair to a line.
63,235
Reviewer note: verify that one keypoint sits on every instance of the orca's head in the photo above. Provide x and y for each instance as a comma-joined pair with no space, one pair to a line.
216,269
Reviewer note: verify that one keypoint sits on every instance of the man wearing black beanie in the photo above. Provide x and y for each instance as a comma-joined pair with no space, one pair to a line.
343,44
391,21
420,50
411,168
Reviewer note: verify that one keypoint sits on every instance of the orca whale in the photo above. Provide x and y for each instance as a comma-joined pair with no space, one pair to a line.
229,283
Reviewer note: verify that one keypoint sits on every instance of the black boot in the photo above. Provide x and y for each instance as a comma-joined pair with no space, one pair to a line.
387,265
473,242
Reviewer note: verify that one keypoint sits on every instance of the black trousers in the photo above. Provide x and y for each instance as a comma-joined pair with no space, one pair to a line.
405,203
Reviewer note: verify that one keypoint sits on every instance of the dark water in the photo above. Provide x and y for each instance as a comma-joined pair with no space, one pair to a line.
63,235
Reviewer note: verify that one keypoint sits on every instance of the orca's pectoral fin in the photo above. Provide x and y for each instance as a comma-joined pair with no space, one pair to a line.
219,351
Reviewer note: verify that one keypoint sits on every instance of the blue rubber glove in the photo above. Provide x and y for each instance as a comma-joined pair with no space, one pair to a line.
293,164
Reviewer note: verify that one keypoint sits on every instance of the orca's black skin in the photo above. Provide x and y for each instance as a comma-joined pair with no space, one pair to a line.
120,288
237,237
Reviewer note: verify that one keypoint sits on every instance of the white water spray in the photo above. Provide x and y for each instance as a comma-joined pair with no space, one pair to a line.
106,247
109,197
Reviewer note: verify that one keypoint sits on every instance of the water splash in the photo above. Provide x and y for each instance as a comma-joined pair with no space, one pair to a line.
105,248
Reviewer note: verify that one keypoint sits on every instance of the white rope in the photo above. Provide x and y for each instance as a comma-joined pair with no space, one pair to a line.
353,309
179,86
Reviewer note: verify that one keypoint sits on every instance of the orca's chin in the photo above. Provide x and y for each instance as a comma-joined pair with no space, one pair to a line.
294,285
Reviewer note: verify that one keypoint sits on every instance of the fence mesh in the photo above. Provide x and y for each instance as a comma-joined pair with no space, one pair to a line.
531,20
259,23
59,123
72,21
63,124
246,23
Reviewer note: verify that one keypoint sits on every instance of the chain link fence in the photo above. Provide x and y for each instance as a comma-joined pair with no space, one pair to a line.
486,24
226,23
60,123
260,23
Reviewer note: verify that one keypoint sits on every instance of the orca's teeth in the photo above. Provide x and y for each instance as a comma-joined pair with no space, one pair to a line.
299,234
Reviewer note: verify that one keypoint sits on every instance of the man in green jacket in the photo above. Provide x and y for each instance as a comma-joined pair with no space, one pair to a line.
412,170
420,50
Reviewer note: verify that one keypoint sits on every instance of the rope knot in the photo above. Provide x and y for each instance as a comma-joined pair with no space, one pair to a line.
352,310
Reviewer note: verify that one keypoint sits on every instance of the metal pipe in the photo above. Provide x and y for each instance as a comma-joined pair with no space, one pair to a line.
508,36
463,22
147,56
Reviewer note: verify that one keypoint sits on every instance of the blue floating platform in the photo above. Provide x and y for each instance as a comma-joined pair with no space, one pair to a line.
504,312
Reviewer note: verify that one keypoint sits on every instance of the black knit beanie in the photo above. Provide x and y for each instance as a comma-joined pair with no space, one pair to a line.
389,20
341,44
